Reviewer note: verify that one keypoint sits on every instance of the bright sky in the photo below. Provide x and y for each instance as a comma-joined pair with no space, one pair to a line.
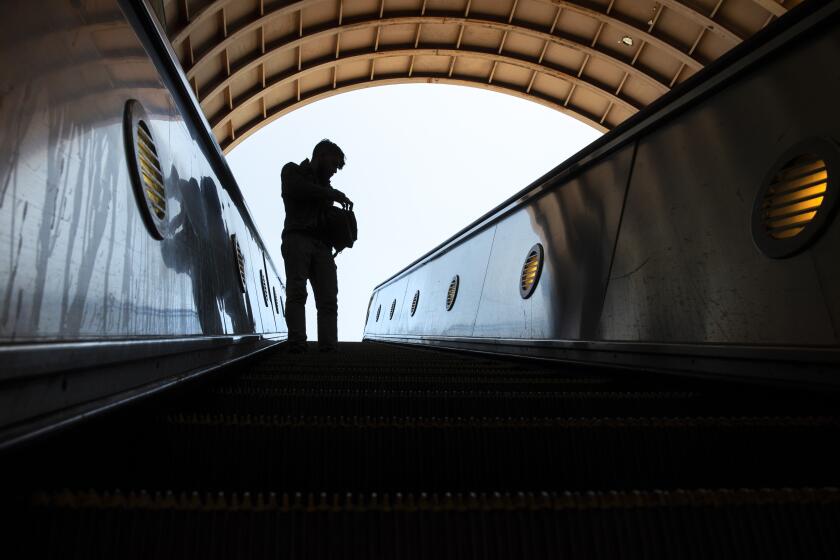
423,161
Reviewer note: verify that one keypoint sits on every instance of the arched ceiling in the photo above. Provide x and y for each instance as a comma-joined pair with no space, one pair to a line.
600,61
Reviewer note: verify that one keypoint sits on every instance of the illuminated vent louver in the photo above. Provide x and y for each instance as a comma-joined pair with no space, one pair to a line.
393,307
150,170
796,199
264,286
414,302
276,301
531,270
145,168
239,263
452,292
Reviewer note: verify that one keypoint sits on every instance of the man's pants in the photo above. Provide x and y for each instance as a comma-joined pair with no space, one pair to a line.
307,258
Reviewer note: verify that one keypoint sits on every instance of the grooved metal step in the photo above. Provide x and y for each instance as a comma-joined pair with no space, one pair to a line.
316,401
681,524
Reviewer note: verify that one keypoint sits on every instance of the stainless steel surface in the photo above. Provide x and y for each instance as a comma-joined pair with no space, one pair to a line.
100,388
78,261
469,262
83,282
699,175
671,268
575,223
815,368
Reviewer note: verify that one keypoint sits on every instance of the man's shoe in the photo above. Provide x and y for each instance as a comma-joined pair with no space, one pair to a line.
327,349
297,350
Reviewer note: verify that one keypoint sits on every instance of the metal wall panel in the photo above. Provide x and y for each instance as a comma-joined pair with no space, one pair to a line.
385,324
686,268
502,311
427,305
469,262
576,223
78,262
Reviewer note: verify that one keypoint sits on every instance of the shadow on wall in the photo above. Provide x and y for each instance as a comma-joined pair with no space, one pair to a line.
197,246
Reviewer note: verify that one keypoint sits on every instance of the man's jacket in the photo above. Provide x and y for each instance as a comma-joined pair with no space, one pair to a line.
305,199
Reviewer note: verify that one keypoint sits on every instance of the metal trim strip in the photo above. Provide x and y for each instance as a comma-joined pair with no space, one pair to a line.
812,367
32,359
216,357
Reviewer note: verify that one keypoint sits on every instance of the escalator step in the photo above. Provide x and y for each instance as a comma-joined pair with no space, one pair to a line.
392,452
780,523
299,401
271,452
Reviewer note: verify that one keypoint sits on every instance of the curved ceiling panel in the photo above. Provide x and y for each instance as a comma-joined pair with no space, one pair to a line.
600,61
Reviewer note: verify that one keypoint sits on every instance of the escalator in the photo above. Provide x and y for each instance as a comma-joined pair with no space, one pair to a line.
382,451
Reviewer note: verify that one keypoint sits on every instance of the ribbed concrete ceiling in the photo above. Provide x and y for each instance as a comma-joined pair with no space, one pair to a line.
253,61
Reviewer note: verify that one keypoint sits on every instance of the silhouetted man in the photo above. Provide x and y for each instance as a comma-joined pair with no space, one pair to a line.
307,253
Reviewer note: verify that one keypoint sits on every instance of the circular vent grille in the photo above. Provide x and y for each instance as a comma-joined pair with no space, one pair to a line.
264,285
452,292
378,311
393,306
414,302
531,270
795,200
145,168
239,262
